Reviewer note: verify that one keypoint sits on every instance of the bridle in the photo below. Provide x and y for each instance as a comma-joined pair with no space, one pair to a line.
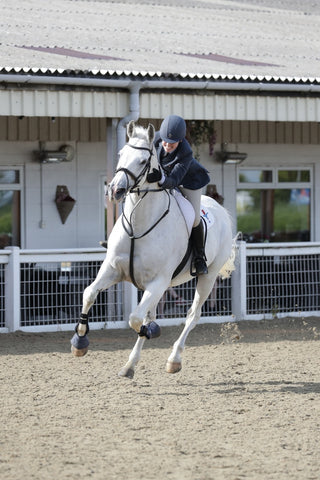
127,223
136,178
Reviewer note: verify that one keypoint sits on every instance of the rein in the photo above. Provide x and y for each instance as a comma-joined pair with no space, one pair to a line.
128,226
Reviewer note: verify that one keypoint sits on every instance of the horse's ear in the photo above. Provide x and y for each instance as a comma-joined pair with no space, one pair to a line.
151,132
130,128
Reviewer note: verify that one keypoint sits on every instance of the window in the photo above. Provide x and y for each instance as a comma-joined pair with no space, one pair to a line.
274,205
10,207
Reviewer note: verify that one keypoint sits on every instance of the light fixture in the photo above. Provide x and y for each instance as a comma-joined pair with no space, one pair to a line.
64,154
230,158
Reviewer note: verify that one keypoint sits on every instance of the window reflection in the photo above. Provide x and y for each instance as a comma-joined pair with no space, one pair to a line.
9,176
255,176
294,176
274,215
9,218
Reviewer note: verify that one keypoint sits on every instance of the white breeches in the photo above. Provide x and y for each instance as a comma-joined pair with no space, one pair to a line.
194,197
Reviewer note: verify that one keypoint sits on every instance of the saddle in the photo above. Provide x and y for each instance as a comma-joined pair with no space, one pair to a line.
188,214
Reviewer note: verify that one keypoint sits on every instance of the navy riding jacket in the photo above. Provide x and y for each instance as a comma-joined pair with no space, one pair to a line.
180,167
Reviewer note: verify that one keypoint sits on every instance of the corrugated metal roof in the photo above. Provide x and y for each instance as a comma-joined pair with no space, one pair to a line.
236,40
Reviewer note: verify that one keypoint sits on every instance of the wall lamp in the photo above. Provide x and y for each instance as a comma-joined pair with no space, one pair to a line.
230,158
64,154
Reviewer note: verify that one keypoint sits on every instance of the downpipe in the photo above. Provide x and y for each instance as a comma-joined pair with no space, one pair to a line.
134,113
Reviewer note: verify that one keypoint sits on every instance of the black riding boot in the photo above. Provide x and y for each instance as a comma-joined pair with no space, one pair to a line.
199,266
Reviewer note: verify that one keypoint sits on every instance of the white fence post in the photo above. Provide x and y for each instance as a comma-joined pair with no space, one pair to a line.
239,284
12,298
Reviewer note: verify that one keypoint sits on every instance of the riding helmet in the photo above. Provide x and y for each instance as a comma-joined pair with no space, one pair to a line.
173,129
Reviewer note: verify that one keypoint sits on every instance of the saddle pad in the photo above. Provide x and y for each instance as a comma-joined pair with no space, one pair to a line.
205,212
186,209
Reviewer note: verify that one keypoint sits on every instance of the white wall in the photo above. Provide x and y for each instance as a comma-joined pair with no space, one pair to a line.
41,221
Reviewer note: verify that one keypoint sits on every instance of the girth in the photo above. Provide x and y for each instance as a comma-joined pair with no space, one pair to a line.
184,260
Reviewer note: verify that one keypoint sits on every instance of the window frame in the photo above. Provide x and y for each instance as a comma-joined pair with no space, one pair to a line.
18,186
275,184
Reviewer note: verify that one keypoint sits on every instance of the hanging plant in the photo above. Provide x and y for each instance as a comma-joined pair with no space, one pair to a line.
199,132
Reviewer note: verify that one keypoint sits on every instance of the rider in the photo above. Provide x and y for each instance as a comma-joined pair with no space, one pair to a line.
181,169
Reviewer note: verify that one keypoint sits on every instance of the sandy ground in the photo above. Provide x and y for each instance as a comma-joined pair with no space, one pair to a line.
246,405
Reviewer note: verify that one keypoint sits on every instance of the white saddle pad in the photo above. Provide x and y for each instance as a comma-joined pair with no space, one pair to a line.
205,212
188,211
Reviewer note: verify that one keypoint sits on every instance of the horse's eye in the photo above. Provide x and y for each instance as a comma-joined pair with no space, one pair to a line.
143,161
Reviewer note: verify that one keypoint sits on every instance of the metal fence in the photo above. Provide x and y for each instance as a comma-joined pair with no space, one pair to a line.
52,293
42,290
277,280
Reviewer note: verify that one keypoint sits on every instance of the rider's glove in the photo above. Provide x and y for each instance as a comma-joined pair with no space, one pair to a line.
154,176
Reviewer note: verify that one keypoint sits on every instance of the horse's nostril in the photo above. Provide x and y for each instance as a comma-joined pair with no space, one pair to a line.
119,193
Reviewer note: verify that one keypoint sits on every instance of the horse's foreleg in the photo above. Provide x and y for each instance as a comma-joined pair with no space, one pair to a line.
105,278
204,287
134,357
144,313
89,297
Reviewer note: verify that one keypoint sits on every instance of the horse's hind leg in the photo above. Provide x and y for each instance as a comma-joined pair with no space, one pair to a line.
204,286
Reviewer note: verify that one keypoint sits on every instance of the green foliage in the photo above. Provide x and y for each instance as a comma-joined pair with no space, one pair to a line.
5,219
199,132
287,218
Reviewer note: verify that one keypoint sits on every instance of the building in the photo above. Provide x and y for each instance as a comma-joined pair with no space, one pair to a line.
244,74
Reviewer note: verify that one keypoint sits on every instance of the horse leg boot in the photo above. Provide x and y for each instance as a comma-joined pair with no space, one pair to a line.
80,341
199,266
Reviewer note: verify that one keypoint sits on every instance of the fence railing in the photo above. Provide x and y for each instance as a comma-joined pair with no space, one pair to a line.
277,280
42,290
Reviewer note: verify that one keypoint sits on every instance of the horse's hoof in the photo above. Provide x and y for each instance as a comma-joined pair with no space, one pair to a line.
79,345
79,352
126,372
173,367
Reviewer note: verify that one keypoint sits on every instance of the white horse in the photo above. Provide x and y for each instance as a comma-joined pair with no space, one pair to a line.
147,243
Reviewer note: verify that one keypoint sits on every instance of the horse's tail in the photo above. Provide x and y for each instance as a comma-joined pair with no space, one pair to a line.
229,266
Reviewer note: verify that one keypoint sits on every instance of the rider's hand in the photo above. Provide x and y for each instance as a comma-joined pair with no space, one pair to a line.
154,176
163,177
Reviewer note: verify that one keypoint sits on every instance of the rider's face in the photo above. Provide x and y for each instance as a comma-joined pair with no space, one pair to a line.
169,147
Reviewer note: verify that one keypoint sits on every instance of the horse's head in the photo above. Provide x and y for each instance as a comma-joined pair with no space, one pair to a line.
135,160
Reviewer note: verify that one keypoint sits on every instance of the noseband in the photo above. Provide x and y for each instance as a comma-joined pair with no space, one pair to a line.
145,170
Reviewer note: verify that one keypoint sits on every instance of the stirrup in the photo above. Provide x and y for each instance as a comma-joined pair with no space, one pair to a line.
198,267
